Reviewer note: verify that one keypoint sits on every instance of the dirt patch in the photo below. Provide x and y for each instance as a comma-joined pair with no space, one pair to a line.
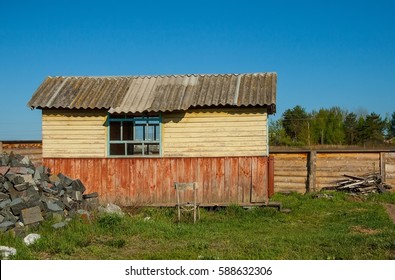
390,210
369,231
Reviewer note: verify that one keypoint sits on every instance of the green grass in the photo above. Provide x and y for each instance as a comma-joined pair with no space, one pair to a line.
341,227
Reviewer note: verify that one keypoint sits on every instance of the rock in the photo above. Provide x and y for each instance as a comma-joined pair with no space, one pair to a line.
30,194
31,238
17,205
5,159
7,185
59,225
53,207
8,215
4,226
76,195
31,215
91,195
26,161
77,185
22,170
4,196
5,203
112,209
53,178
21,187
4,170
65,180
6,251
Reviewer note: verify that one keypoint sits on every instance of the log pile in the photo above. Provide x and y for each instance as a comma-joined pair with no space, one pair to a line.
370,183
30,194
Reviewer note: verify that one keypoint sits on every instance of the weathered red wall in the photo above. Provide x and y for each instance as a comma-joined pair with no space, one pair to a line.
150,180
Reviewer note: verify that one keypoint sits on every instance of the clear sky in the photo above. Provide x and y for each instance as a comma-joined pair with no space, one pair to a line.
326,53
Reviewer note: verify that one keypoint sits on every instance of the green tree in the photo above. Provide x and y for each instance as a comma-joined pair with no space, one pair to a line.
392,126
296,123
372,129
277,135
351,129
328,126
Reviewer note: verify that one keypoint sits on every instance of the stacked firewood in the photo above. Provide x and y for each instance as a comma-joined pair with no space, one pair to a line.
370,183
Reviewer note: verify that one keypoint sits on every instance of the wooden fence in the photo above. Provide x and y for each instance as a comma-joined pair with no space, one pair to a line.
310,170
221,180
297,170
32,149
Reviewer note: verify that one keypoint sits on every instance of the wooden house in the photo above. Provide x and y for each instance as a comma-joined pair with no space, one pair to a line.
131,137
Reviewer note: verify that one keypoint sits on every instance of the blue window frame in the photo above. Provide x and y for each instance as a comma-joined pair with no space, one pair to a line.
131,135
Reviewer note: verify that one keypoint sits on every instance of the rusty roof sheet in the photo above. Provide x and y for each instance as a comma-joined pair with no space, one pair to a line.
137,94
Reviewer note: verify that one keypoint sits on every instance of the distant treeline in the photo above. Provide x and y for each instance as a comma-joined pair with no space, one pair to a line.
332,126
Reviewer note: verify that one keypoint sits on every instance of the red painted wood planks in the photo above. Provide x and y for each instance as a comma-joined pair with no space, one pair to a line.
151,180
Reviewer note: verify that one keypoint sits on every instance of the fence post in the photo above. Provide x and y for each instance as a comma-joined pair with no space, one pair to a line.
311,171
382,166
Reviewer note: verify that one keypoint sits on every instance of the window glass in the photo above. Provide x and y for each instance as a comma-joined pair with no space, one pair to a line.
134,149
139,132
152,132
117,149
115,130
152,149
127,130
134,135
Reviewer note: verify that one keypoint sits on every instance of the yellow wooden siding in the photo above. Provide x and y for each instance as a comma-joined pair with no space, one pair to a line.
72,133
215,132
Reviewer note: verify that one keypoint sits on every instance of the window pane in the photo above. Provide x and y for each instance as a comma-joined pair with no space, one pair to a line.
150,133
139,130
115,130
127,129
152,149
153,132
157,133
134,149
153,121
117,149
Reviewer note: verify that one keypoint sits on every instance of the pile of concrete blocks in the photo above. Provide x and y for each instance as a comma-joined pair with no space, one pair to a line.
30,194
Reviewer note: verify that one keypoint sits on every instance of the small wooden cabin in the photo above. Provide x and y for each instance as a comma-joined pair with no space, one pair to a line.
130,138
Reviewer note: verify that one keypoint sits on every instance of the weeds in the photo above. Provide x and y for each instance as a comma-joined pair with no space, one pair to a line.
333,227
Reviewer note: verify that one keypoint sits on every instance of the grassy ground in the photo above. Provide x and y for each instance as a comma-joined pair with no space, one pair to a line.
341,227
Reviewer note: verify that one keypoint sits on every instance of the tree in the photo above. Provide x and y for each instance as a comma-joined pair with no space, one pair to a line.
392,126
277,135
351,129
328,126
372,129
335,132
296,123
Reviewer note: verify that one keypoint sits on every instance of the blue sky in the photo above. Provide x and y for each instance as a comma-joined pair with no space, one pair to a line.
332,53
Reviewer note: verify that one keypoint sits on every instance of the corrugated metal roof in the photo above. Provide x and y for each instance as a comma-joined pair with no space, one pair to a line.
137,94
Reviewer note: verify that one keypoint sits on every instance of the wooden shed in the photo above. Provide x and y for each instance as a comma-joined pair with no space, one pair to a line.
131,137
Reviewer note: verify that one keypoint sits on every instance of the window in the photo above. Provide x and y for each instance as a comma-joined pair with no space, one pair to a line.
134,135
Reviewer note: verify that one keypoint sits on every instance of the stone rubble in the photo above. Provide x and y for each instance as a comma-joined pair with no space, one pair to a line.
6,252
30,194
31,238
